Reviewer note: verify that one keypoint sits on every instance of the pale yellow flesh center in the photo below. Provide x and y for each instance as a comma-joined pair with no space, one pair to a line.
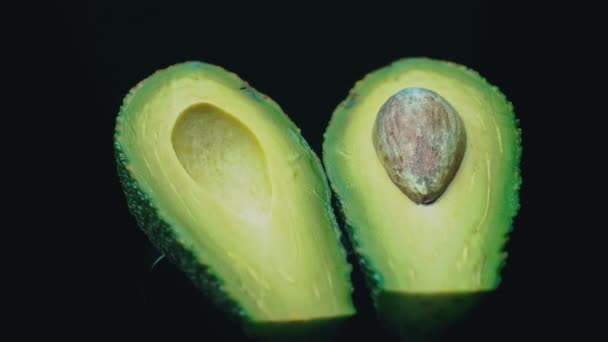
223,156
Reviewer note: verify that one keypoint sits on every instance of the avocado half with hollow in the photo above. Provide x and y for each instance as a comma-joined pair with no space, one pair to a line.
424,157
223,183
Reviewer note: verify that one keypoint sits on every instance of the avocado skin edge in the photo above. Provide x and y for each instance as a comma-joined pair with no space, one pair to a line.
163,238
390,305
161,235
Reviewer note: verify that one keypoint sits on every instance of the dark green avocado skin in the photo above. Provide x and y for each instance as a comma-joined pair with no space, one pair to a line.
163,239
159,232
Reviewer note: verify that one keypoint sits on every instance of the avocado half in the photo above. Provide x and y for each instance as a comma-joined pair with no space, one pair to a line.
223,184
426,263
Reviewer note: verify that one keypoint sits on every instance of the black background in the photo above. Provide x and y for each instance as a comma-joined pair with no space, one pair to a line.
306,58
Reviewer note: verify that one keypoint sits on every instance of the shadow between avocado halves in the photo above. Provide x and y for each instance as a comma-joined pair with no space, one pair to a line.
424,317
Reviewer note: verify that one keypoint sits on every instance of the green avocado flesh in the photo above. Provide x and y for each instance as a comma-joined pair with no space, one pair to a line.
454,245
223,183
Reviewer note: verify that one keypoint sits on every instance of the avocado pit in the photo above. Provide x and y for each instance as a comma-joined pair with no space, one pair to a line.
420,140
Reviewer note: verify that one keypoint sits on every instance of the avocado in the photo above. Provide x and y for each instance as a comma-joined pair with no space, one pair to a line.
424,158
223,183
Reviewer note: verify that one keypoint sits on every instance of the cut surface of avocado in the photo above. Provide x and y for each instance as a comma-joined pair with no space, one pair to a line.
454,244
223,183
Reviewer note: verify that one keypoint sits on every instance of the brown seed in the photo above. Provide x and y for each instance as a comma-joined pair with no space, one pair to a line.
420,140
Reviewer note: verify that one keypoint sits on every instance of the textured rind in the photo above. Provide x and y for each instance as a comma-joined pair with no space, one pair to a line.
162,237
373,277
160,233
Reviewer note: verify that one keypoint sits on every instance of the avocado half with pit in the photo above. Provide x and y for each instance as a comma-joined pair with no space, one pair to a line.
424,157
223,184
